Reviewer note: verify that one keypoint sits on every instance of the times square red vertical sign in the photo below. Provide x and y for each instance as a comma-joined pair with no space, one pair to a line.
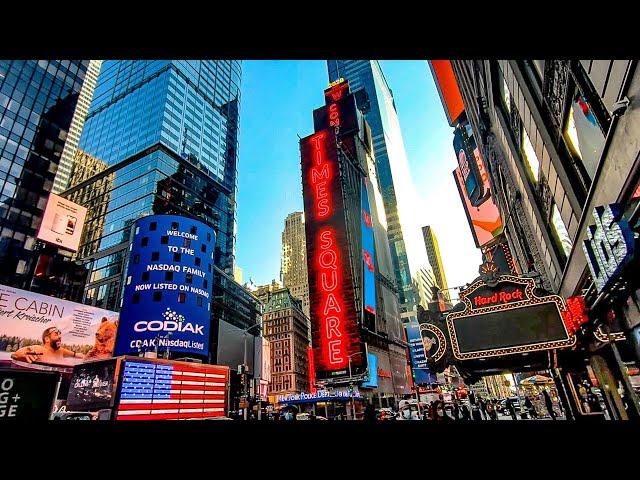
335,333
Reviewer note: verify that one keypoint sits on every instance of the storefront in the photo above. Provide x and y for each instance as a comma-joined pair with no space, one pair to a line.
332,405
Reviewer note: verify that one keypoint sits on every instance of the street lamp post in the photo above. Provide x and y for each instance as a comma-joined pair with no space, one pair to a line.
244,370
353,407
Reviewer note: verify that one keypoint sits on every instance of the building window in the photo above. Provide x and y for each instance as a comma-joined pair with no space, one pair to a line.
560,231
203,248
199,301
197,261
155,256
157,296
505,95
188,278
182,297
168,275
174,226
205,283
136,258
194,230
530,157
145,241
177,257
583,134
153,226
145,276
186,242
164,240
135,298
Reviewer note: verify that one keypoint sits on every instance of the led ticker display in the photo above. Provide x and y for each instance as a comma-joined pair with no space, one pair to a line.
152,390
334,320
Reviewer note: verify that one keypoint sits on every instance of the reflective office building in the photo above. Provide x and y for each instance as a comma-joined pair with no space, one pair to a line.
163,138
38,99
392,167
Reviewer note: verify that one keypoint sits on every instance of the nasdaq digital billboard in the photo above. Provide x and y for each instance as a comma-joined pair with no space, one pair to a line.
169,285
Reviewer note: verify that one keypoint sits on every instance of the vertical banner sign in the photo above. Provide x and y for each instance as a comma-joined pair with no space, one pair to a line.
335,332
421,373
312,371
368,254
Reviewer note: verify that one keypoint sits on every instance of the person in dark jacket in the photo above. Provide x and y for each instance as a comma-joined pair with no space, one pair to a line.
475,411
528,404
370,413
464,411
511,409
549,404
440,412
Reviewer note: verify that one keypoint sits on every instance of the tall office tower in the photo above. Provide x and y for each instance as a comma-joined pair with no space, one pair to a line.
293,262
285,326
433,253
63,174
167,132
353,298
392,169
37,103
424,280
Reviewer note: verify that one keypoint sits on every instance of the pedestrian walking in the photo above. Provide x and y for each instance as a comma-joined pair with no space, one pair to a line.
369,413
475,412
491,410
549,404
511,409
528,404
464,412
483,407
456,410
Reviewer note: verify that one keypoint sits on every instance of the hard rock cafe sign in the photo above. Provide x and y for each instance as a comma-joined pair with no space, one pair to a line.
505,316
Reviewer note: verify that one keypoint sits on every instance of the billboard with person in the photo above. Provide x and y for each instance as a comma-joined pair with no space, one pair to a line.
40,329
62,223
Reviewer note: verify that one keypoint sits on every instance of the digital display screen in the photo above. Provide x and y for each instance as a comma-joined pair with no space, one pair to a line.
93,385
172,390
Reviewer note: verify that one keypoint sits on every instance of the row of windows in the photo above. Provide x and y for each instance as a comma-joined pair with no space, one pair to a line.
532,164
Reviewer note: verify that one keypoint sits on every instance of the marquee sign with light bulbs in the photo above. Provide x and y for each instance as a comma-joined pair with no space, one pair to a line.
505,317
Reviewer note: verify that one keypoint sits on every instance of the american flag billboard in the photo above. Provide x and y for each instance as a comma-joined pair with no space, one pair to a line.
169,390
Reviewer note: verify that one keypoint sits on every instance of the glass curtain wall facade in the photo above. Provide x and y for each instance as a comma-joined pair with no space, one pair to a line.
391,164
38,99
163,136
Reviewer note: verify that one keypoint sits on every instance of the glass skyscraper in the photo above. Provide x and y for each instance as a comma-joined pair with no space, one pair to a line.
392,166
161,136
38,99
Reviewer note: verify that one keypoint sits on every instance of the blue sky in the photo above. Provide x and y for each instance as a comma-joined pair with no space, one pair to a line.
278,98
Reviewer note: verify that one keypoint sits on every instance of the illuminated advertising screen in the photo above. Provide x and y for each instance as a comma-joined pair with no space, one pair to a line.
62,223
372,372
421,373
464,146
38,329
167,297
27,396
335,330
170,390
93,385
368,253
484,218
448,90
